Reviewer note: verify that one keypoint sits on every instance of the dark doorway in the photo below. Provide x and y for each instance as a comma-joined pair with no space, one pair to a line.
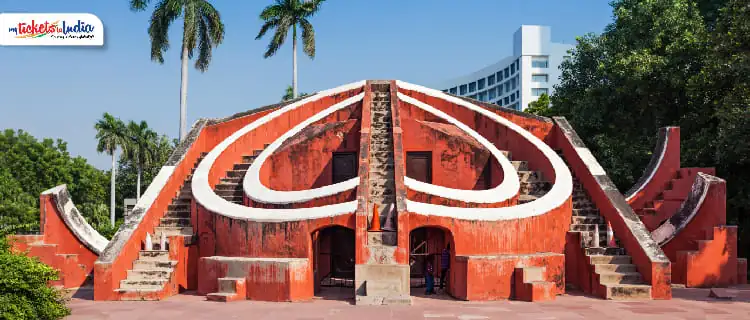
426,244
419,166
333,257
344,166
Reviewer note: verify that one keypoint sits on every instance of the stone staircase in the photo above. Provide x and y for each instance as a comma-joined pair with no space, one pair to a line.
153,269
533,184
669,200
614,276
72,273
530,285
230,289
230,187
382,280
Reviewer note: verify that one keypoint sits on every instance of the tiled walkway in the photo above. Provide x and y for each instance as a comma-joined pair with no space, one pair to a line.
686,304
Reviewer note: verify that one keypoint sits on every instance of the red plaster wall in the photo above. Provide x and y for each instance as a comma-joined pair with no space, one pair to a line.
713,264
665,172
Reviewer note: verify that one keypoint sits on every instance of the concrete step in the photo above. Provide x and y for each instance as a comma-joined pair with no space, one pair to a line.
235,180
177,214
229,186
248,158
148,274
532,274
588,227
587,220
136,284
228,284
620,278
592,212
520,165
600,268
221,296
530,176
627,291
170,231
154,265
241,166
175,222
599,259
606,251
178,207
229,193
153,255
524,198
236,173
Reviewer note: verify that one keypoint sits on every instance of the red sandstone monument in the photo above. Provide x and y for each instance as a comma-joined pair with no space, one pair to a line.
361,185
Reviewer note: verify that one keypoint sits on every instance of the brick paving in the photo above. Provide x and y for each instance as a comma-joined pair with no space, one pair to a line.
686,304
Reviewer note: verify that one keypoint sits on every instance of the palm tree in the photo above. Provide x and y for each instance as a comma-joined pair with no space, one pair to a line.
202,28
285,14
141,150
111,133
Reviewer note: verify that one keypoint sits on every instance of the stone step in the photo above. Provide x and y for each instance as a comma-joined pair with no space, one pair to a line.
620,278
530,176
520,165
140,289
178,207
248,158
600,259
588,227
600,268
229,186
229,193
137,284
234,199
175,222
241,166
234,180
154,265
153,255
236,173
228,284
177,214
172,231
587,220
588,212
148,274
524,198
383,287
627,291
605,251
221,296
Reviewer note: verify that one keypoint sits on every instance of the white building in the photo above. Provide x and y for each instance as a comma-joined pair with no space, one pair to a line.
517,80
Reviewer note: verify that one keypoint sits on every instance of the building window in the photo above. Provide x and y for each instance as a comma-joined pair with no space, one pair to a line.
518,64
507,86
499,90
492,94
483,96
539,78
513,83
539,91
506,100
473,96
539,62
472,86
462,89
480,84
453,90
491,80
513,68
507,72
516,106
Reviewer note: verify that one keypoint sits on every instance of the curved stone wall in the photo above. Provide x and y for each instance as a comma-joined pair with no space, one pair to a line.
87,235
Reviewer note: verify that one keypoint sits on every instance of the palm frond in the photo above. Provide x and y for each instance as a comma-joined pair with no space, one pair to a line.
278,38
214,23
267,26
310,8
273,11
308,37
164,14
190,27
139,5
204,53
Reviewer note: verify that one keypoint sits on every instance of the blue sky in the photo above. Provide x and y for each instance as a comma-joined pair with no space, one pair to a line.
62,92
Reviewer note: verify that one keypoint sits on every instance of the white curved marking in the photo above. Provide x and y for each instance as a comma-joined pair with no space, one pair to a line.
504,191
653,172
72,218
560,192
255,190
206,196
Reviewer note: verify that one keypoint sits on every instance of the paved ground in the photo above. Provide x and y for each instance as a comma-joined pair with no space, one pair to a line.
686,304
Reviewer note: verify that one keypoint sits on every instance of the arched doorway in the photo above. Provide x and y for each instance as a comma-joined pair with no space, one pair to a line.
333,262
426,245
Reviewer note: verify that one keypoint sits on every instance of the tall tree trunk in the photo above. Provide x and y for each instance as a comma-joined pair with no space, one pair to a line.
138,184
112,192
183,94
294,60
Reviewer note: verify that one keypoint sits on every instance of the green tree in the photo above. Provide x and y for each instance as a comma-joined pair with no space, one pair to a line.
24,290
289,94
16,206
111,134
141,149
539,107
127,172
202,28
281,16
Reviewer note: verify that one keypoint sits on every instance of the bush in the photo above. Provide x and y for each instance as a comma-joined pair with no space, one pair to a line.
24,290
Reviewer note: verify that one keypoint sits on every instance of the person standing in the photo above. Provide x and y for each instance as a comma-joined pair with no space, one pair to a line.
445,264
429,279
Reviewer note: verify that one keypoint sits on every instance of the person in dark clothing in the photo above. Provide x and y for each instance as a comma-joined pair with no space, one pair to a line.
429,279
445,265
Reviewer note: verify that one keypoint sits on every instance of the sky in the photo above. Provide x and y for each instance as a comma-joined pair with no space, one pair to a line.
60,92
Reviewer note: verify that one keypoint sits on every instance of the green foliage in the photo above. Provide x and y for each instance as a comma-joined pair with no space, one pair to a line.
202,28
289,94
28,167
662,63
24,293
540,107
127,169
